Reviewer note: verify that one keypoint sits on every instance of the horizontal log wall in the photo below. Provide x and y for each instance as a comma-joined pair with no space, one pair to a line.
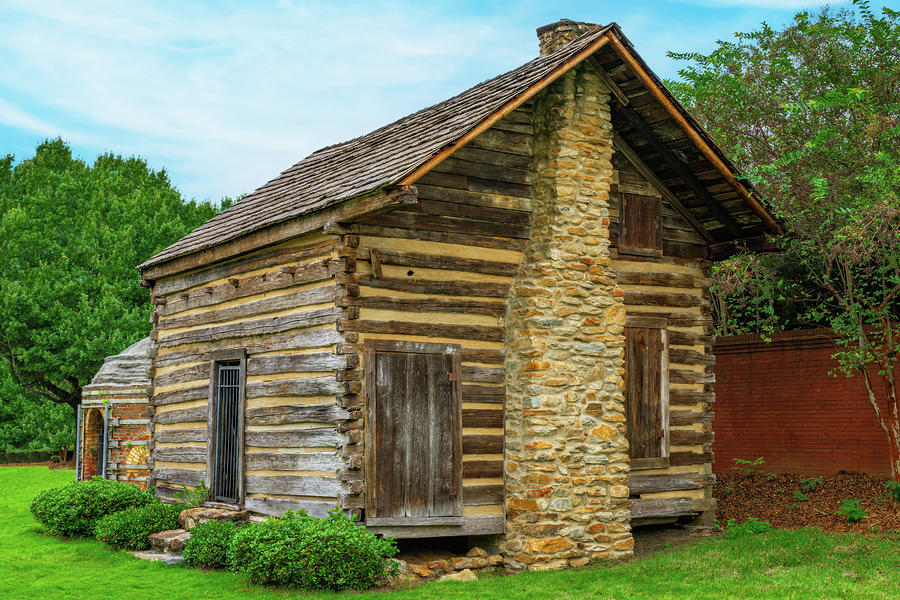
674,287
282,306
440,272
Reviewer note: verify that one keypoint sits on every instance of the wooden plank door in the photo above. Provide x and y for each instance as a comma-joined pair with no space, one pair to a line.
646,385
415,419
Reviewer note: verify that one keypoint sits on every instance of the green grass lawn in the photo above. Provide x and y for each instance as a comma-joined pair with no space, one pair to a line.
778,564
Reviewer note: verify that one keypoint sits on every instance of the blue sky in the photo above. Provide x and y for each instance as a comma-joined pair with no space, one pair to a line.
225,95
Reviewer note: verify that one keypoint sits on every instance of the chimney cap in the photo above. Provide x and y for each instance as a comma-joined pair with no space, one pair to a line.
554,36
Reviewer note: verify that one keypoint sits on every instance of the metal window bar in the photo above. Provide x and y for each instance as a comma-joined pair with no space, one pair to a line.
226,466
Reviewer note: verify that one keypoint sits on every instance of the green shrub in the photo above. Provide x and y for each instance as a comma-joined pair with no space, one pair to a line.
747,466
809,484
298,550
209,544
193,497
75,508
893,490
749,527
129,528
800,496
852,510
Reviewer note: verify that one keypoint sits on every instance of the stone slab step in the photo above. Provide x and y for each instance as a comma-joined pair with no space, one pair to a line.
170,541
163,557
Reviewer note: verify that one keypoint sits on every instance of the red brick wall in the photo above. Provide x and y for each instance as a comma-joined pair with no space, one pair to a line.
776,400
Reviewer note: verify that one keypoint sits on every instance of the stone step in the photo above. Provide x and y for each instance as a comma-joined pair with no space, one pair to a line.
170,542
163,557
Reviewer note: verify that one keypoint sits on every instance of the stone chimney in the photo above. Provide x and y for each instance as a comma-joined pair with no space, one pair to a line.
566,452
556,35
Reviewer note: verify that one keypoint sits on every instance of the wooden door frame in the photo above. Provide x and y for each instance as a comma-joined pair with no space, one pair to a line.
373,347
216,357
641,322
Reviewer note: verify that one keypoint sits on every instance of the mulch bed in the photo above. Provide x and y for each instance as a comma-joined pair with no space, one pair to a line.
770,497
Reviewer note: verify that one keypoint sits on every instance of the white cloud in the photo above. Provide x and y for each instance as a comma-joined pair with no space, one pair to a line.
233,96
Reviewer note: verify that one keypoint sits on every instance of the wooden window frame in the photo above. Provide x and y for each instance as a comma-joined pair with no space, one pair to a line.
661,462
656,252
218,357
373,347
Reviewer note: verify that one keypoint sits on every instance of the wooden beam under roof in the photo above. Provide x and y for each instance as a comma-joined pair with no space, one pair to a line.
629,153
707,150
681,169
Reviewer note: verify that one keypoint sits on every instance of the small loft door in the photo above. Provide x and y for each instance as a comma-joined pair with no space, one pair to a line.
415,444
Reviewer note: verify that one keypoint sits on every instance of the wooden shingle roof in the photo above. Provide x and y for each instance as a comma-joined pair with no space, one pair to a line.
375,160
678,150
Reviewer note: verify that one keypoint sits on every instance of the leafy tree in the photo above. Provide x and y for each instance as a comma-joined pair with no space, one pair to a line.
70,236
812,115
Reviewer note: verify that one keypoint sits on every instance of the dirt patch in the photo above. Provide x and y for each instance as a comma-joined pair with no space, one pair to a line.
650,539
771,497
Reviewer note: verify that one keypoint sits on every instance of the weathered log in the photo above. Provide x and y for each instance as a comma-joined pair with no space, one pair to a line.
481,374
483,241
253,328
323,386
689,376
183,454
294,461
298,363
458,332
247,286
281,415
483,393
276,507
298,340
475,495
473,469
191,373
482,444
680,418
294,485
647,484
185,395
278,256
482,417
179,435
443,305
646,508
689,437
665,279
425,286
183,415
688,397
662,299
179,476
295,438
257,307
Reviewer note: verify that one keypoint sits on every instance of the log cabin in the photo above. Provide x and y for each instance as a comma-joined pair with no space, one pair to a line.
490,318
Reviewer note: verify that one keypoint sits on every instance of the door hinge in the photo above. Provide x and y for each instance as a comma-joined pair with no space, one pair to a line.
661,432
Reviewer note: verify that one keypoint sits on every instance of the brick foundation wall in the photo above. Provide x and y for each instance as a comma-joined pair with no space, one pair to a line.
776,400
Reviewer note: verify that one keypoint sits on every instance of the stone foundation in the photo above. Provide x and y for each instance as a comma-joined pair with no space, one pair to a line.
441,566
566,454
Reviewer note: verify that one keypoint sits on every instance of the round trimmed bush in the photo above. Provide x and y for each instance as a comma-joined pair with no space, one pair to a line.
74,509
333,553
208,546
129,528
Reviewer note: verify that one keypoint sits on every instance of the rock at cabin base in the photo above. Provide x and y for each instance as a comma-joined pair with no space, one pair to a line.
192,517
464,575
476,552
171,540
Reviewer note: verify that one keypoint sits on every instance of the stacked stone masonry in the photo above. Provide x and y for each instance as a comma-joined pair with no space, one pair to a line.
566,453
